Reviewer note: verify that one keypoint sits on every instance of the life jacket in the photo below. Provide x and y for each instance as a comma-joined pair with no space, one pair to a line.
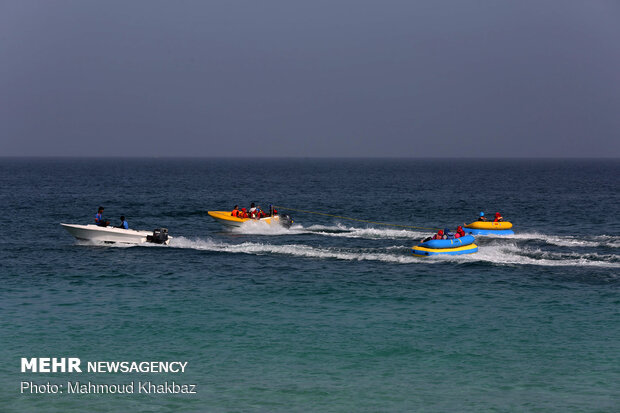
235,213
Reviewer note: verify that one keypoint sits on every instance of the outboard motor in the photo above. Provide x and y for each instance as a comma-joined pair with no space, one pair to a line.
160,236
286,221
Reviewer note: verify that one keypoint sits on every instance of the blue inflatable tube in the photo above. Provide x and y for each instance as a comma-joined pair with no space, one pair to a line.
425,252
448,243
489,231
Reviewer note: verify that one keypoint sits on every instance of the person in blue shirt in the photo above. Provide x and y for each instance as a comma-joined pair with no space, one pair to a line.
99,220
124,223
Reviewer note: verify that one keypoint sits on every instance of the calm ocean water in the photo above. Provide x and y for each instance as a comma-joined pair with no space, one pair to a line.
331,315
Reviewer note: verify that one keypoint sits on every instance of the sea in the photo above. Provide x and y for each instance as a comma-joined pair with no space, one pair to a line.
330,315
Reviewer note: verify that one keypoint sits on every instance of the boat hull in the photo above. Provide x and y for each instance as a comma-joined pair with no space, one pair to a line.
108,234
490,228
490,231
425,251
224,218
488,225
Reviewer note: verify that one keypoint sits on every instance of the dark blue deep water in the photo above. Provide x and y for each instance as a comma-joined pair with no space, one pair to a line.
331,315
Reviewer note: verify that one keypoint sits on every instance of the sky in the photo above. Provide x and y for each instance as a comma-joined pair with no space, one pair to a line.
480,78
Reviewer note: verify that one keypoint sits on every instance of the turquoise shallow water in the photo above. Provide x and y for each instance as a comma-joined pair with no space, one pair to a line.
331,315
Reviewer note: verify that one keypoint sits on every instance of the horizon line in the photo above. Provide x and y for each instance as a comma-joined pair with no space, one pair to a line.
304,157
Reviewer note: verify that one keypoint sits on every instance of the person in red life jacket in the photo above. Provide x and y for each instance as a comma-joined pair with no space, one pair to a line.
260,212
256,212
235,211
243,213
438,235
99,220
252,213
498,217
459,232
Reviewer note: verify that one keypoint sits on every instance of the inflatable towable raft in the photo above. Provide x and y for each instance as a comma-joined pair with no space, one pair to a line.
487,228
457,246
224,217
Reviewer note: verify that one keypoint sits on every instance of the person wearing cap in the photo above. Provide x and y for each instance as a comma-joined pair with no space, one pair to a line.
99,220
447,234
459,232
438,235
498,217
243,213
482,217
124,224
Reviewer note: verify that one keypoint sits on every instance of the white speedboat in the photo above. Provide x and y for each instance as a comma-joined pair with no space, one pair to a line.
93,232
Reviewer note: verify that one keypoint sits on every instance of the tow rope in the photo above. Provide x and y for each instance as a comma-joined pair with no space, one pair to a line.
355,219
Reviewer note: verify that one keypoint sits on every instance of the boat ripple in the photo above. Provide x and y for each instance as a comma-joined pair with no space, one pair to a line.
506,254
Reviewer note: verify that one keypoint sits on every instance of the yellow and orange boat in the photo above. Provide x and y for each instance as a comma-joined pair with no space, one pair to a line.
488,227
226,218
